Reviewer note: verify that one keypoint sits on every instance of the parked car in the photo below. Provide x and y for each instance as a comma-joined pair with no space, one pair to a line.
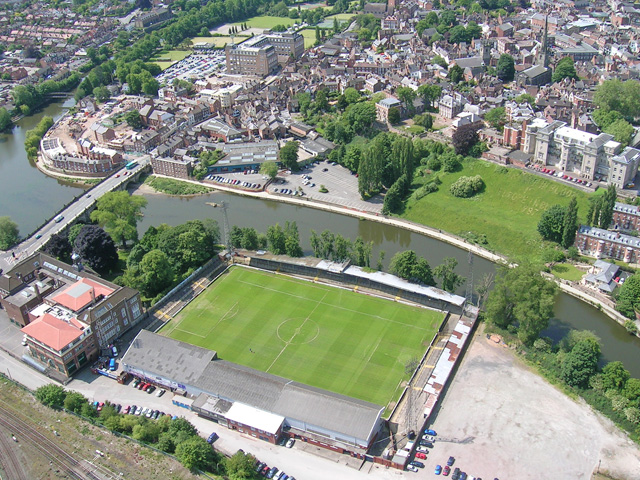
150,389
260,465
438,470
271,473
265,470
411,468
421,455
422,449
451,461
290,442
424,443
213,437
446,470
430,432
132,410
429,438
160,392
415,463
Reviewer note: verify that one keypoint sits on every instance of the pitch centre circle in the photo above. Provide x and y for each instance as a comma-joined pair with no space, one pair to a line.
298,331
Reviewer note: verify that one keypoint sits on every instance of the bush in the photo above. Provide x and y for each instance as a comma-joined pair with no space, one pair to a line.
466,187
434,164
631,327
323,189
451,164
425,190
51,395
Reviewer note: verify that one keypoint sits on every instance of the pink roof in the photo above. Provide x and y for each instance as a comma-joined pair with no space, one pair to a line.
53,332
78,295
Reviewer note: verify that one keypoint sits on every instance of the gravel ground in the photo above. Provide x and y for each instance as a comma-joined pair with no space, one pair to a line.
501,420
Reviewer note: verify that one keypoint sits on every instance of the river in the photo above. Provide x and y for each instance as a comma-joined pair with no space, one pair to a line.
28,197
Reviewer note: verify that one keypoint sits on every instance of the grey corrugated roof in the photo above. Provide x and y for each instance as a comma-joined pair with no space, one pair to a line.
169,358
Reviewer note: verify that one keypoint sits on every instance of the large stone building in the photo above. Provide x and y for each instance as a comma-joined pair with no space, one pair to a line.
599,243
594,157
261,54
66,313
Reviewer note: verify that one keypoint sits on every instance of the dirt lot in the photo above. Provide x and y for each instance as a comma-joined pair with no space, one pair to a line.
500,419
123,458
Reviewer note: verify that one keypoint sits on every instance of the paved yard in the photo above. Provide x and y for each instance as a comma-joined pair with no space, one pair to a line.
501,420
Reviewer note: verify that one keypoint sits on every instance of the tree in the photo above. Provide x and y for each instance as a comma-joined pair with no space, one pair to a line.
269,169
188,245
458,34
393,115
438,60
51,395
9,233
102,94
133,119
241,466
74,230
118,213
456,74
632,391
570,224
466,187
74,401
496,117
623,97
96,247
407,265
551,224
521,295
580,363
615,376
449,278
506,68
195,453
406,95
277,240
621,130
5,119
351,95
526,98
629,296
292,240
465,137
156,272
289,155
565,68
59,247
603,118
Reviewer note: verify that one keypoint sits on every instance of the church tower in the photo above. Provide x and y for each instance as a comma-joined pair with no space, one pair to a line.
545,45
391,6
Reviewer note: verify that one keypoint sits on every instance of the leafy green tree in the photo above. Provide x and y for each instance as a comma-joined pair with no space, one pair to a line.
5,119
438,60
118,213
570,224
351,95
496,117
133,119
621,130
269,169
506,68
580,363
552,256
74,401
277,240
195,454
406,95
407,265
526,98
289,155
156,272
603,118
551,224
316,244
51,395
88,411
564,69
632,391
521,296
618,95
466,187
614,376
188,245
96,248
456,74
9,233
292,240
241,466
394,116
628,298
458,34
447,275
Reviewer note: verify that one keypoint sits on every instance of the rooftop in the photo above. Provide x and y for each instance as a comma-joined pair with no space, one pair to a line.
54,331
81,293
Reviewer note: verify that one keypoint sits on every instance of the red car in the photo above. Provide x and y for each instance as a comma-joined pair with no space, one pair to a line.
446,470
421,455
142,385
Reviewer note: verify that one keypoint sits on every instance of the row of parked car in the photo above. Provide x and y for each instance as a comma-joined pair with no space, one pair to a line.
288,191
569,178
233,181
146,387
271,472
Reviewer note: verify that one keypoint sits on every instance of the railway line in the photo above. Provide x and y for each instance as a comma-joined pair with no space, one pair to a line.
11,464
49,449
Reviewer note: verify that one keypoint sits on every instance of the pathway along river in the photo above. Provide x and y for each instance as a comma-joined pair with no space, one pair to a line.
28,197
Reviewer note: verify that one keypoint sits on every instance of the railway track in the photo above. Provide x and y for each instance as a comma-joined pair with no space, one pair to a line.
10,462
49,449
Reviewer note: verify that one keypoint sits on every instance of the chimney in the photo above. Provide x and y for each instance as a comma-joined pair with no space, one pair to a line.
37,290
93,295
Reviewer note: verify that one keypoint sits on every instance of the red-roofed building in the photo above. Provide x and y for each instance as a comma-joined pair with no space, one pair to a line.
60,341
81,293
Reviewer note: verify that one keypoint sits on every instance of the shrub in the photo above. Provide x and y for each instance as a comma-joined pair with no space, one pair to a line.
632,414
430,187
323,189
466,187
541,345
631,327
451,164
434,164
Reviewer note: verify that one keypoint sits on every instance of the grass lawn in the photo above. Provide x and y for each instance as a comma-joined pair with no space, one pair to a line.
167,58
266,21
342,17
326,337
507,212
567,272
309,35
171,186
219,42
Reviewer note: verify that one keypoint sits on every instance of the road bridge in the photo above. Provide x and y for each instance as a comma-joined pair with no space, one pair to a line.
79,208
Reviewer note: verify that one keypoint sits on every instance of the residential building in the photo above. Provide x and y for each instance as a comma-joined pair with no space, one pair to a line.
383,107
599,243
259,55
450,106
626,217
154,17
172,167
603,276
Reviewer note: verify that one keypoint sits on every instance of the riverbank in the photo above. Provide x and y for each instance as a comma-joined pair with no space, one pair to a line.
72,179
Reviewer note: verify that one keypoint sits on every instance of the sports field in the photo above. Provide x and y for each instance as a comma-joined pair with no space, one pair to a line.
330,338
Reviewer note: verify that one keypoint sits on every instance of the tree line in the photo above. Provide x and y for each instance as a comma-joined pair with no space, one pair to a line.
172,435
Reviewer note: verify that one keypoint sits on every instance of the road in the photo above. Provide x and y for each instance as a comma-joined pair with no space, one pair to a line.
69,215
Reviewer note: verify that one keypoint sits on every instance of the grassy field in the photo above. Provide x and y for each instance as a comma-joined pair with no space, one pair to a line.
167,58
567,272
507,212
266,21
309,35
330,338
171,186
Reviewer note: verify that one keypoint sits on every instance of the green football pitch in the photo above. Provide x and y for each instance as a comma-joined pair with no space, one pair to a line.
346,342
